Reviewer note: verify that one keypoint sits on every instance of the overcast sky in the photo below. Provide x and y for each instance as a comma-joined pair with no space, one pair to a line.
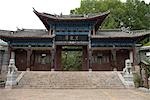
19,13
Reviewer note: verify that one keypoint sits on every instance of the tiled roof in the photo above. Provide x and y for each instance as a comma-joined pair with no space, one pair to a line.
41,33
97,18
71,17
25,33
119,34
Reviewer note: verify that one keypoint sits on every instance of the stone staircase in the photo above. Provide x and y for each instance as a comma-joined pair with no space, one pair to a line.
70,80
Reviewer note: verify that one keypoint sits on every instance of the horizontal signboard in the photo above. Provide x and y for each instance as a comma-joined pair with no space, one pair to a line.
71,38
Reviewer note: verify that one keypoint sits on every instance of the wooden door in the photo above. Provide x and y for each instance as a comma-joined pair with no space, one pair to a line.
21,59
122,55
41,60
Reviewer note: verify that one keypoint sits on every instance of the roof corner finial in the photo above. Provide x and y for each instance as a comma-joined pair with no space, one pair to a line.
61,14
18,29
34,9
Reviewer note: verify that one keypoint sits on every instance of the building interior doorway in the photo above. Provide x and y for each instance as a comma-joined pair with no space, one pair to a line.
71,57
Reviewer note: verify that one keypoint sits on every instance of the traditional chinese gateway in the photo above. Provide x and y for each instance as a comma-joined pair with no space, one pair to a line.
102,50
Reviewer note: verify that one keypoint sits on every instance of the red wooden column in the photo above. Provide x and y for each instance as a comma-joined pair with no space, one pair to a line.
58,66
85,59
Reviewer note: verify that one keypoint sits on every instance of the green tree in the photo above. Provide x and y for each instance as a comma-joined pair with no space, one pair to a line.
71,60
133,13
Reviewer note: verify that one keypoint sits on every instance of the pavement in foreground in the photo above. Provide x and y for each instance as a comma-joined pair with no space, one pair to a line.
73,94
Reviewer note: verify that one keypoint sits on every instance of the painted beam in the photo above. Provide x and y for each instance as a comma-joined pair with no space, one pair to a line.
72,33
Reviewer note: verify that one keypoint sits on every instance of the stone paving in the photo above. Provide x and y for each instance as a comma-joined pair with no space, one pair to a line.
68,80
73,94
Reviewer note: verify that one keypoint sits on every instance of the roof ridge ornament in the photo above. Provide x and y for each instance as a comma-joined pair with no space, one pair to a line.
34,9
125,29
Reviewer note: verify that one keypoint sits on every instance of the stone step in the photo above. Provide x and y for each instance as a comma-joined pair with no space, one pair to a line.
67,80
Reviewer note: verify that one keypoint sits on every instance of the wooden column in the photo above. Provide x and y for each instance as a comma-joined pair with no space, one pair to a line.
85,59
90,59
49,33
8,54
53,33
29,52
94,33
131,56
53,59
89,52
53,54
133,49
58,66
135,56
113,51
9,51
1,60
12,55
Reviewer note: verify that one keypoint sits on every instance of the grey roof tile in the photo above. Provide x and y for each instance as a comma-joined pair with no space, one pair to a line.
119,33
99,34
25,33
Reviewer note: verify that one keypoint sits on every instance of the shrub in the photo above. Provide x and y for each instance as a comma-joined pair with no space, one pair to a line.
137,80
